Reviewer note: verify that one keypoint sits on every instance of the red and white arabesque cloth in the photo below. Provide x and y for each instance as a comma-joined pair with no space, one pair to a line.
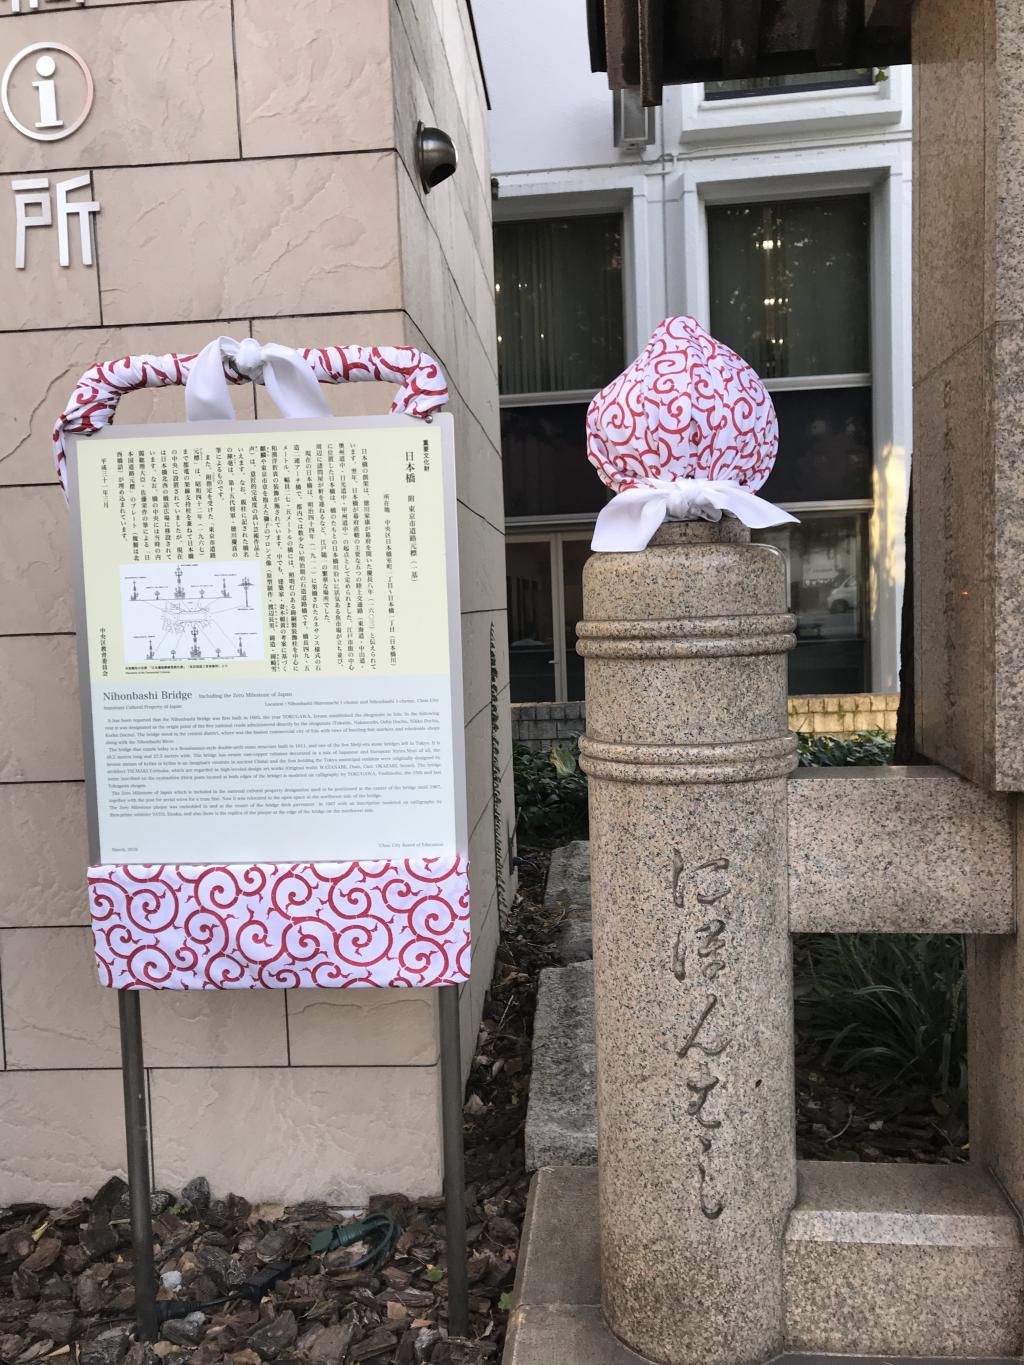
94,402
281,925
687,432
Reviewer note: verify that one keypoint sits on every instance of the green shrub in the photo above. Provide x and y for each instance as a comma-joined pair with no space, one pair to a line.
551,790
551,794
890,1007
863,750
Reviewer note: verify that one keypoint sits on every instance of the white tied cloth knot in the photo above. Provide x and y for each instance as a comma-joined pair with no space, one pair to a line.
287,376
629,521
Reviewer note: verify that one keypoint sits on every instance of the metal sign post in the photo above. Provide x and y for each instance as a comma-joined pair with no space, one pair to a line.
454,1160
138,1147
136,1126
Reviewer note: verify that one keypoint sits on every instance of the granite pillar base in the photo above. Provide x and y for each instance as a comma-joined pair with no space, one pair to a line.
934,1276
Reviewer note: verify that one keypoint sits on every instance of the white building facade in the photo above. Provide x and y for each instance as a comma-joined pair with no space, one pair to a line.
779,215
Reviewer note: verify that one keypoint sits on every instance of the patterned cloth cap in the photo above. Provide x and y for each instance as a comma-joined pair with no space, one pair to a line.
687,408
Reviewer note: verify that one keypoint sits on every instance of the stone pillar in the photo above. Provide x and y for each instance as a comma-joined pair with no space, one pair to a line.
687,750
969,482
968,485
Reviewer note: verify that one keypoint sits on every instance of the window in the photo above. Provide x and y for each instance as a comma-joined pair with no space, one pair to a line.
558,295
545,468
826,557
544,580
788,85
790,293
789,284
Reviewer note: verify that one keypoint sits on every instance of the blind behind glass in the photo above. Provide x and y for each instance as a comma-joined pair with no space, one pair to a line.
790,284
775,85
558,295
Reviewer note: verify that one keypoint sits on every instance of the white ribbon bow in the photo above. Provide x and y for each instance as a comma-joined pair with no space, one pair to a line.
631,518
288,379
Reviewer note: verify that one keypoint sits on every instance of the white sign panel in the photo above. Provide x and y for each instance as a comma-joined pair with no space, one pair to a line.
269,636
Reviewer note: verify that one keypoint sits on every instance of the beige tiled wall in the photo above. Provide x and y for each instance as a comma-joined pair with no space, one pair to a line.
844,715
255,168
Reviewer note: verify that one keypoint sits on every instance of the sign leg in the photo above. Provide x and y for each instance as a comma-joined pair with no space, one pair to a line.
454,1160
136,1124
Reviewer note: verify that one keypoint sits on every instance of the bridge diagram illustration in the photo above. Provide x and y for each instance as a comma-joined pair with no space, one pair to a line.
192,612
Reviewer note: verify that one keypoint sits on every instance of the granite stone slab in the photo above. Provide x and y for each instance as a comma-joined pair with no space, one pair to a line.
567,1335
911,1259
561,1260
557,1317
968,346
561,1122
568,893
908,850
871,850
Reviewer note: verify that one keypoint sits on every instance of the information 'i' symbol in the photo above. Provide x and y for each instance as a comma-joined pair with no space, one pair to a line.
46,86
48,114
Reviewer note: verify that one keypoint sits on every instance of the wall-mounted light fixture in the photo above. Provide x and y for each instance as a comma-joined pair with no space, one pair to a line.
632,125
436,157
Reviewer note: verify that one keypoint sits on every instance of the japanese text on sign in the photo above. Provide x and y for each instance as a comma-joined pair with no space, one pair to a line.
291,550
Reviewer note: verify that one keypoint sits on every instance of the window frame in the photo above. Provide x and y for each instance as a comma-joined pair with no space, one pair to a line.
577,204
774,193
836,508
884,171
596,207
820,88
884,105
556,536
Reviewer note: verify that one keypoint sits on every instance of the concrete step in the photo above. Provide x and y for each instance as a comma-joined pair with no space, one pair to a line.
883,1263
561,1120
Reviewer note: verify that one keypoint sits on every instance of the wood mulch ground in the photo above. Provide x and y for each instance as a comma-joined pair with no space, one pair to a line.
66,1289
839,1118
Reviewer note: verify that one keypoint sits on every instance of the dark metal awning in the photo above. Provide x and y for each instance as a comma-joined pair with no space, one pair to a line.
653,43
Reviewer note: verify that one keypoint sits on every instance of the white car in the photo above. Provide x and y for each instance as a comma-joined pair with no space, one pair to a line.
843,596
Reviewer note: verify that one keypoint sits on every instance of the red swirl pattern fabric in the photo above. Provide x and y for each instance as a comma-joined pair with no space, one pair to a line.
277,926
687,408
94,401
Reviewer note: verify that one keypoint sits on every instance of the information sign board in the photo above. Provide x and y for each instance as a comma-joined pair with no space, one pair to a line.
267,612
269,646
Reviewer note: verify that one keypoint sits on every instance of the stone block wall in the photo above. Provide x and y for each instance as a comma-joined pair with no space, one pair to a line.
254,166
539,725
844,715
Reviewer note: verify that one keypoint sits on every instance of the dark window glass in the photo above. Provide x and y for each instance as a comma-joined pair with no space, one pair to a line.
789,284
531,636
777,85
575,554
824,446
544,461
558,295
828,592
